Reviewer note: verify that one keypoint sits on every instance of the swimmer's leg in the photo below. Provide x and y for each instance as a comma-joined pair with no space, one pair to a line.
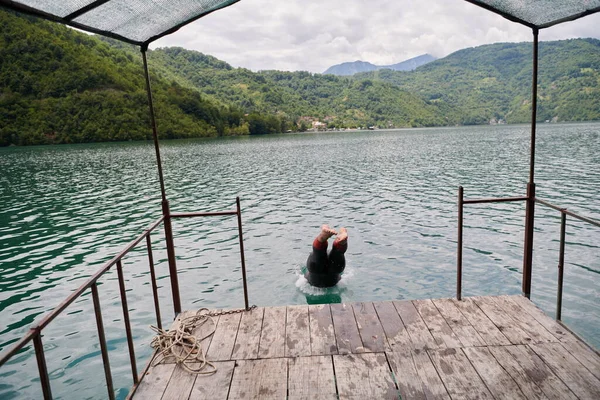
317,260
337,260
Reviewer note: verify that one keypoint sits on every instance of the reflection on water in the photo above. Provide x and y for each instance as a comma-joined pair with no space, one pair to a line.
67,209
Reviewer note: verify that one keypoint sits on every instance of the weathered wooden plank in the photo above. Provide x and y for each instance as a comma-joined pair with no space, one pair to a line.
221,345
484,326
259,379
466,333
416,376
417,330
364,376
248,337
154,382
393,327
518,371
503,321
216,386
459,377
369,327
434,388
581,381
180,385
311,378
536,331
346,331
322,335
272,336
509,326
157,378
549,323
297,332
438,327
540,373
589,358
498,381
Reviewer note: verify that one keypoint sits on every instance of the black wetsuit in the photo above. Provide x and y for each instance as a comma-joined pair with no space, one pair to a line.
325,270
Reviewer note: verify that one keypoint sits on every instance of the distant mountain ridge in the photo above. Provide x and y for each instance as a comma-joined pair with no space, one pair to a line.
351,68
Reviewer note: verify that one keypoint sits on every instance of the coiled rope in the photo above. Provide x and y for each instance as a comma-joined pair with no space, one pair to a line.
179,344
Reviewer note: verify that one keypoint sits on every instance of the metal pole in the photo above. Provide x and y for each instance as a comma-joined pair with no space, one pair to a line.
239,218
43,370
130,343
102,340
460,244
165,203
153,281
561,265
530,208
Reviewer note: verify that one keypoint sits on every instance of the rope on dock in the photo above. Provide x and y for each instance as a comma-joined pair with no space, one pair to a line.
181,344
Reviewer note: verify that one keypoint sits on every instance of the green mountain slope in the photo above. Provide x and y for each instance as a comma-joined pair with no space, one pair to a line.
494,81
61,86
339,101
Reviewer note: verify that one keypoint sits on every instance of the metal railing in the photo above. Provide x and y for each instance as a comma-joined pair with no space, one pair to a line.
461,203
35,332
561,256
561,253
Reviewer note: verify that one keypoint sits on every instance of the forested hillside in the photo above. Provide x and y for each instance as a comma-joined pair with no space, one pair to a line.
58,85
494,81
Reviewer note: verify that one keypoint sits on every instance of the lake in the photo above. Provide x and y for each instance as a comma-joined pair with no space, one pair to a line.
67,209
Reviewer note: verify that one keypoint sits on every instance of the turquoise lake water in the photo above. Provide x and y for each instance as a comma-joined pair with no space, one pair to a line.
67,209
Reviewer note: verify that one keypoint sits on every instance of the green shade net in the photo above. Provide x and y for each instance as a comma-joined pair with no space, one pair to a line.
143,21
540,13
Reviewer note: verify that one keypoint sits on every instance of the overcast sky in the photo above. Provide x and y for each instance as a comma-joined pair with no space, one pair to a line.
312,35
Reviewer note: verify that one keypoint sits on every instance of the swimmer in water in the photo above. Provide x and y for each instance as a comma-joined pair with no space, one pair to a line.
325,270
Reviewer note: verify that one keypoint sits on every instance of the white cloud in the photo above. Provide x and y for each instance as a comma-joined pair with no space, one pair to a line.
313,35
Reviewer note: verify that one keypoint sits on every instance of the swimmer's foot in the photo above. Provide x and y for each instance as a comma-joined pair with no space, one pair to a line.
326,233
342,236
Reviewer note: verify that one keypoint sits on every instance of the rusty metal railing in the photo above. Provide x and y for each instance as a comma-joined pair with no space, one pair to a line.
459,255
561,253
34,334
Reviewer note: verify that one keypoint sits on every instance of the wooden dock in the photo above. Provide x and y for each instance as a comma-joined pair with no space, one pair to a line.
479,348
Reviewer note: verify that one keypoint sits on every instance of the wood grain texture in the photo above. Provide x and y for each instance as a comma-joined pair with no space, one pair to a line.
394,329
364,376
346,331
216,386
581,381
415,326
438,327
459,377
154,382
505,323
180,385
221,345
497,380
586,356
248,337
369,327
536,331
311,378
416,376
527,306
259,379
272,336
322,335
297,332
518,372
482,324
460,325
